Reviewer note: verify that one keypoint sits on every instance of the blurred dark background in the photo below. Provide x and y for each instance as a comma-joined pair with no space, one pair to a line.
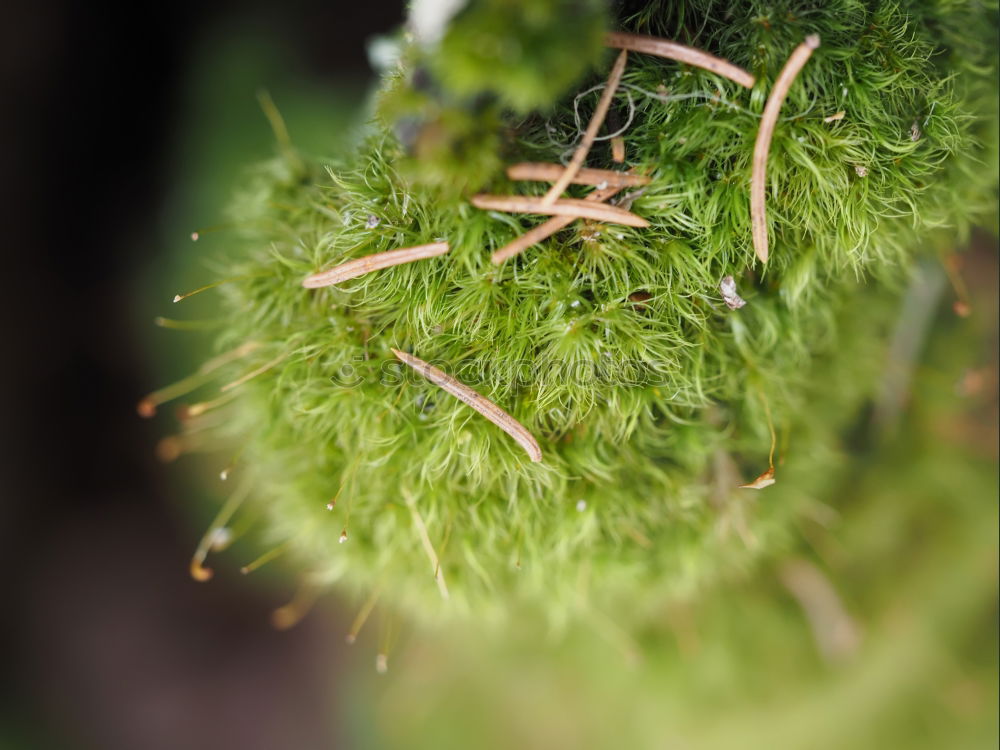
106,642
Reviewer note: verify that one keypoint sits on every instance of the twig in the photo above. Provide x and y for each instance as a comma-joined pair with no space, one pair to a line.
480,403
545,230
758,180
588,137
652,45
375,262
573,207
549,172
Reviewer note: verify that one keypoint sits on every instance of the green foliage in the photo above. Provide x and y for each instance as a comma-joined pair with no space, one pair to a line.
446,100
911,549
542,48
635,500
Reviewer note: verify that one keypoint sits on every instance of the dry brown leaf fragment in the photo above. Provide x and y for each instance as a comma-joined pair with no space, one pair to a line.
764,480
729,294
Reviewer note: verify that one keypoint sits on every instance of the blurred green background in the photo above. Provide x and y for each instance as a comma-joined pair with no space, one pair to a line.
880,631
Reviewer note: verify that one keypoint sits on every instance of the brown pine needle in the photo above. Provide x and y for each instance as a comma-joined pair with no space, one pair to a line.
480,403
375,262
573,207
591,133
425,540
545,230
758,180
652,45
549,172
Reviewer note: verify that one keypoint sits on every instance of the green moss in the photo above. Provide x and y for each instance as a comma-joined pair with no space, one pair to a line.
542,49
635,500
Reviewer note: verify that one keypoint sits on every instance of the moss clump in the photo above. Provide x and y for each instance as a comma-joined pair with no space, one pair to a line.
650,398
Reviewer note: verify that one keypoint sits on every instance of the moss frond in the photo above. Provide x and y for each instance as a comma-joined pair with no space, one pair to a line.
611,344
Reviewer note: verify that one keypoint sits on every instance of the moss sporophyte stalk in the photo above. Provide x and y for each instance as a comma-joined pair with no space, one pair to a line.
733,210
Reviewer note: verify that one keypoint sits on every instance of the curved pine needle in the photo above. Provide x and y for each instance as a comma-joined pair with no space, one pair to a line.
549,172
652,45
758,180
573,207
591,133
375,262
545,230
477,401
